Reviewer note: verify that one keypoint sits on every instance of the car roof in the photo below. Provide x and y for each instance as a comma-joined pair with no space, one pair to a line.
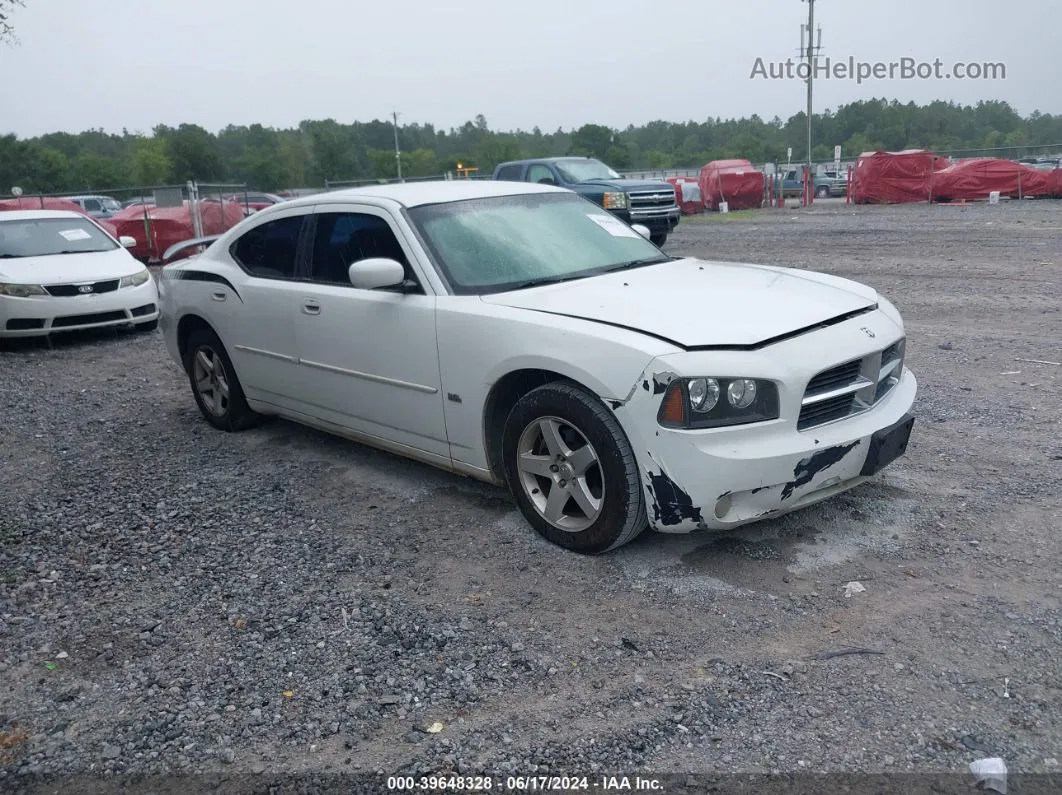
415,194
552,159
34,215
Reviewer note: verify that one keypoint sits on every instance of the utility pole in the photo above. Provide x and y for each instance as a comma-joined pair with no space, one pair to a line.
398,153
812,51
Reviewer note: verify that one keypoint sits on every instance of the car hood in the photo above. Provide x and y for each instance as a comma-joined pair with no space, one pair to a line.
698,304
69,268
629,184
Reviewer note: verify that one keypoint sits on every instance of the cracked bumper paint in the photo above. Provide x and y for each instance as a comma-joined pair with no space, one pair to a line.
725,478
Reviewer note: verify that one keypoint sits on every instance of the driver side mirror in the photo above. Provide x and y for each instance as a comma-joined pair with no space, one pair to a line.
642,230
126,241
376,272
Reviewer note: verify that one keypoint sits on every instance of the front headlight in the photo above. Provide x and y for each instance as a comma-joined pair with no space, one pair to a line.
22,290
136,279
715,402
615,201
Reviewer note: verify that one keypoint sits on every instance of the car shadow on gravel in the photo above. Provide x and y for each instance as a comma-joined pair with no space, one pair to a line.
783,555
70,340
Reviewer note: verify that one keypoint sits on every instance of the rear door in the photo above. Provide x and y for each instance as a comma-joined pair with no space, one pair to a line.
255,312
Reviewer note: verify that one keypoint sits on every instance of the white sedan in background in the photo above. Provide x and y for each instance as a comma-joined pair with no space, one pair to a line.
59,271
519,334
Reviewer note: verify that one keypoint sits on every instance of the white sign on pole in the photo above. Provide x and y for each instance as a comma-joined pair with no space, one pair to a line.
837,158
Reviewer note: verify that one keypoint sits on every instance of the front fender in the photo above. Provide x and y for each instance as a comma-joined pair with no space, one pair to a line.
480,343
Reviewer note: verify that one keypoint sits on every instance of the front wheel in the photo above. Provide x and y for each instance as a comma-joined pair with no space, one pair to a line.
658,240
572,471
822,192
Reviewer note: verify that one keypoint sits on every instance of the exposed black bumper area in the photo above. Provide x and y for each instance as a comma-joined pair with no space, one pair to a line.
887,445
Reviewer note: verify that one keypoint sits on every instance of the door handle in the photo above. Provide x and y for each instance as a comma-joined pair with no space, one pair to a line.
218,296
311,307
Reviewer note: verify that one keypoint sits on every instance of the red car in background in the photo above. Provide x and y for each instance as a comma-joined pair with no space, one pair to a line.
253,202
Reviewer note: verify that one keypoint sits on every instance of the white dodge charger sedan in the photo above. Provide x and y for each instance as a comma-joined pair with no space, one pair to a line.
518,334
60,271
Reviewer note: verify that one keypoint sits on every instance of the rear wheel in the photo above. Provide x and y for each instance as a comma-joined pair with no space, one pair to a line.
658,240
822,192
214,383
572,470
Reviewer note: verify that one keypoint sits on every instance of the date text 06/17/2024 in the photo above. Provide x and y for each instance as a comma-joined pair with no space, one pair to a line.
523,784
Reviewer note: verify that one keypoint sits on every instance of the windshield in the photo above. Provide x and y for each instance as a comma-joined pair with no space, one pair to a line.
584,169
508,242
42,237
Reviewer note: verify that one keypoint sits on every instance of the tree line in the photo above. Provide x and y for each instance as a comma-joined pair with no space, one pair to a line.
315,151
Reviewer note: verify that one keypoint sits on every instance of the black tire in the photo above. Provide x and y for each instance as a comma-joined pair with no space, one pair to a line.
658,240
622,513
234,414
822,192
151,325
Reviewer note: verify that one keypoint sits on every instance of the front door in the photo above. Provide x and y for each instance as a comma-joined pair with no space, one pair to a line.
369,358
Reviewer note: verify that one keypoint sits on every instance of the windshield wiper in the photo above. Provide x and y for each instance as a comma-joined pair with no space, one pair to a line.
549,280
635,263
11,256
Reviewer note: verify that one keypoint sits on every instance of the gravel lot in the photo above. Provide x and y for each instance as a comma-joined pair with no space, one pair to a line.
174,599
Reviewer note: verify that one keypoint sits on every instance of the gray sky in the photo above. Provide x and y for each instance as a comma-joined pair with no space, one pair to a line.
136,63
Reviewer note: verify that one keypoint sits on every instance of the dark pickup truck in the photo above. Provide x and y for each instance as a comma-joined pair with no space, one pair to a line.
651,204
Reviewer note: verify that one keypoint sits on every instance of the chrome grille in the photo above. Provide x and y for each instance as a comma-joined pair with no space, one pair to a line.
838,376
851,388
652,199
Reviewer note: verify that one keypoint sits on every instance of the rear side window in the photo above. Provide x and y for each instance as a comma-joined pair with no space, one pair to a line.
510,173
270,250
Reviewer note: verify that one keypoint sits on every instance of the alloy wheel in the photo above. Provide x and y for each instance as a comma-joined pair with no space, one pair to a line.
211,381
560,473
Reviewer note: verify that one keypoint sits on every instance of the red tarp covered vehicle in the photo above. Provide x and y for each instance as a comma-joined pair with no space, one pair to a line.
687,194
169,225
1054,183
894,177
975,179
736,182
53,203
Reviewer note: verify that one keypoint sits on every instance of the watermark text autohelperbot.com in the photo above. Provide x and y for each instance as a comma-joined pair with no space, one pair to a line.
826,68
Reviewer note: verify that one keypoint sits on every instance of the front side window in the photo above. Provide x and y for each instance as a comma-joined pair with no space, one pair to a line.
585,169
540,173
270,250
341,239
45,237
509,242
92,205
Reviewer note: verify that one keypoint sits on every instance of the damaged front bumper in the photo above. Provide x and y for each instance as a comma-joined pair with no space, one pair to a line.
719,479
